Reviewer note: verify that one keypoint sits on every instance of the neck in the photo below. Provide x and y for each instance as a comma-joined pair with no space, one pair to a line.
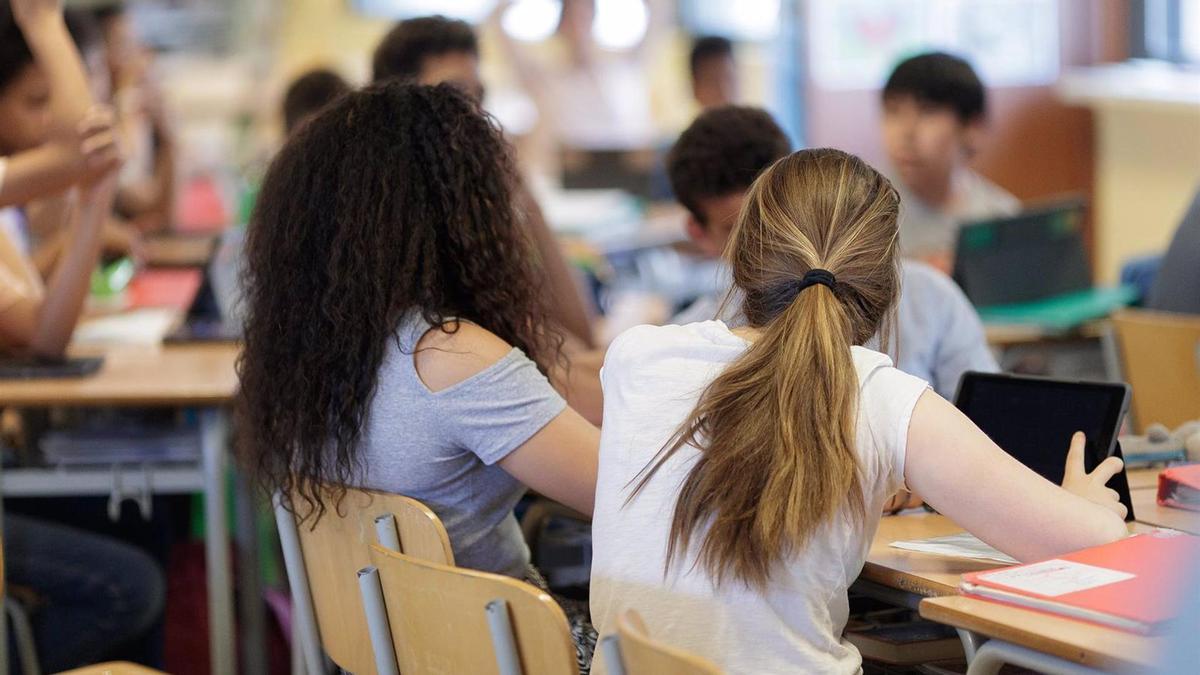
936,192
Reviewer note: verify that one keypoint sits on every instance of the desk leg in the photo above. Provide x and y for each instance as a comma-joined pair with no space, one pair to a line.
250,600
970,642
216,544
996,653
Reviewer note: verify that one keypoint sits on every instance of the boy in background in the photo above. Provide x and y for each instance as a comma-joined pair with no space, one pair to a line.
934,109
308,94
712,166
714,72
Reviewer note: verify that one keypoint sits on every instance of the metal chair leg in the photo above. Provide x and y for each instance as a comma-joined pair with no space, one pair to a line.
23,632
996,653
304,618
386,532
504,643
377,621
610,646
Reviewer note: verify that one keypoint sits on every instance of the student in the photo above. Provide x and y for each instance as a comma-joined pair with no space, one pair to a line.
934,109
591,97
430,50
714,72
742,471
308,94
48,240
397,336
90,594
147,189
433,50
711,168
1177,285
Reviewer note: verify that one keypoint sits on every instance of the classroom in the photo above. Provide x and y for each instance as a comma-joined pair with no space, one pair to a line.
612,337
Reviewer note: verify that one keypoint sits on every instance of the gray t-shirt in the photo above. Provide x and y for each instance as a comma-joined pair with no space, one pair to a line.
926,230
1177,287
441,448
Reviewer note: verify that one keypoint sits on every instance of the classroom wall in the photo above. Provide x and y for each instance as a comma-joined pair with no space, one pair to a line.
1147,170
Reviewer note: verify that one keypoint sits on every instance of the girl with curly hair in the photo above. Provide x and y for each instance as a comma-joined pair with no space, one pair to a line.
397,337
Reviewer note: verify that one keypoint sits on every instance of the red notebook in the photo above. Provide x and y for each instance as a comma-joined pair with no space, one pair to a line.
1132,584
1180,487
174,288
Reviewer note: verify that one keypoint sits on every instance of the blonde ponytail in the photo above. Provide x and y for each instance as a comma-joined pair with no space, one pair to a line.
777,428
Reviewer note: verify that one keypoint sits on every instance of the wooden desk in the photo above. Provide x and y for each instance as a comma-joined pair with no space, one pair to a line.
1004,335
200,376
174,376
920,574
174,250
1147,510
1071,641
1140,479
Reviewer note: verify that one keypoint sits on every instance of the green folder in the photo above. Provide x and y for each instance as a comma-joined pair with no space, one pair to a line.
1062,312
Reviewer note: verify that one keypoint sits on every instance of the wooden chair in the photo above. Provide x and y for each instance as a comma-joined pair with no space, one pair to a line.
441,619
113,668
323,562
1160,358
633,652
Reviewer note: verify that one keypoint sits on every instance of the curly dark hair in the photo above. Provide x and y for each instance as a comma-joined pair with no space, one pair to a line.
722,152
394,199
406,46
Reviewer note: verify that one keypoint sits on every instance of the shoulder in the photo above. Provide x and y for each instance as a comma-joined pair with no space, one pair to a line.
989,196
876,372
923,282
443,359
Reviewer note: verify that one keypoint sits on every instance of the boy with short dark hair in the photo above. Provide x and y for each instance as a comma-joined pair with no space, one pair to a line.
429,50
714,72
309,93
934,109
712,166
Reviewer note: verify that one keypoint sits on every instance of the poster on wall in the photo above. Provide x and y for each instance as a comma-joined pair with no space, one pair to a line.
853,44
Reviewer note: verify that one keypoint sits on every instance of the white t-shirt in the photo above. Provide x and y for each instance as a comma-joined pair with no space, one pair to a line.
652,379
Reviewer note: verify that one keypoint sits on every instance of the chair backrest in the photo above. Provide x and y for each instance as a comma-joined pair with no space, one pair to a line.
337,548
642,655
1160,358
439,623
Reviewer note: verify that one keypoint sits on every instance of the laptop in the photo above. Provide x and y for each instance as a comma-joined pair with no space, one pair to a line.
1031,256
1033,419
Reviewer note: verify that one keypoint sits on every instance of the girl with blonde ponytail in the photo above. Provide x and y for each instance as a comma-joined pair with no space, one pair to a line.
742,472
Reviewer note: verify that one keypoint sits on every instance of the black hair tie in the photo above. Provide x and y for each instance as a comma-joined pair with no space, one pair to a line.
817,276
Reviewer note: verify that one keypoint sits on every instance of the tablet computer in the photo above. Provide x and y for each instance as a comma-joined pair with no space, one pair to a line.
1033,418
32,368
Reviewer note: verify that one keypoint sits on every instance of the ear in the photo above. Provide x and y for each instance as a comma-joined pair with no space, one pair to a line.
972,136
699,234
695,230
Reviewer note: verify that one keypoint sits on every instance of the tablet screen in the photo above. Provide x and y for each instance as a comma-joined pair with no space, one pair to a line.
1033,419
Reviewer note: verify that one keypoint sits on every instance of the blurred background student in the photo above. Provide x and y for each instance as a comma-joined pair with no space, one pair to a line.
88,596
934,109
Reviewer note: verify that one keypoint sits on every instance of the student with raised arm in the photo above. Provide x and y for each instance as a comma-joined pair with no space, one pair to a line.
34,318
91,594
742,471
397,335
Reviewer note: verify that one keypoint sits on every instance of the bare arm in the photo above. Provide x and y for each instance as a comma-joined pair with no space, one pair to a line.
560,460
81,145
59,163
43,326
964,475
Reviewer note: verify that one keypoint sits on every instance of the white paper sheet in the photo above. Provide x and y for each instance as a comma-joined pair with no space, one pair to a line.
961,545
1056,577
